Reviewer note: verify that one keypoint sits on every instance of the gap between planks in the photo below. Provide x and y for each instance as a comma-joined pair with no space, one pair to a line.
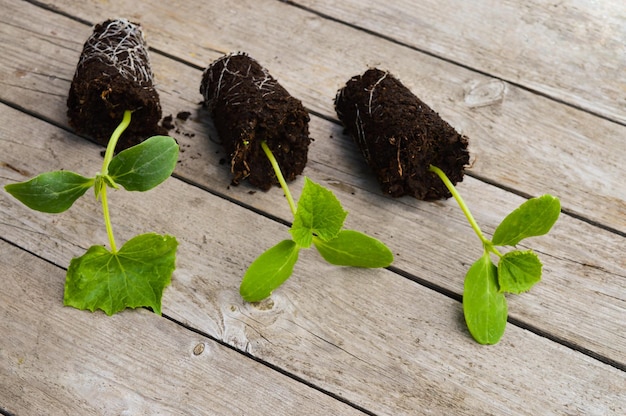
197,169
475,123
180,295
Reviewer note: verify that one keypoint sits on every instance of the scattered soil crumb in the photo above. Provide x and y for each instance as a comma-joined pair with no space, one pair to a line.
183,115
167,122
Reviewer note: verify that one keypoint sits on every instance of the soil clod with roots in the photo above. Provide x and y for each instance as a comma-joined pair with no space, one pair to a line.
248,107
400,136
114,75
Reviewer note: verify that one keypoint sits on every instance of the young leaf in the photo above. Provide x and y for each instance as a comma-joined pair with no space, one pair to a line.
533,218
51,192
134,276
319,212
518,271
269,271
146,165
352,248
484,307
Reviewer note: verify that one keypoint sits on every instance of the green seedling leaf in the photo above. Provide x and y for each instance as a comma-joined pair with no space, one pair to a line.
135,276
319,212
484,303
352,248
146,165
518,271
51,192
269,271
484,307
533,218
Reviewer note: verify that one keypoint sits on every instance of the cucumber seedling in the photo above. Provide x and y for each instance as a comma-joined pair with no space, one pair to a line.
136,274
484,303
318,221
410,148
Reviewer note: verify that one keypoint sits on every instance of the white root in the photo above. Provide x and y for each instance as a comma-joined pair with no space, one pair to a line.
369,104
266,84
122,46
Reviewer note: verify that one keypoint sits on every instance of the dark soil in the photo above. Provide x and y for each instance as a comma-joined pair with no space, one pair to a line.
114,75
248,107
183,115
168,122
400,136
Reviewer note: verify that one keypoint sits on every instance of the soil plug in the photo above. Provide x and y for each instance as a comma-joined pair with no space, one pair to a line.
249,107
114,75
400,136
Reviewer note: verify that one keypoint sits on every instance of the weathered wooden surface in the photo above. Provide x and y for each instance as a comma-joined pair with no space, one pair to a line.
389,332
573,51
132,364
380,341
501,119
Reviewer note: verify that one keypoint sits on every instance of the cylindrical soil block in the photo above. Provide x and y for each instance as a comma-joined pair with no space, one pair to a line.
400,136
114,75
248,107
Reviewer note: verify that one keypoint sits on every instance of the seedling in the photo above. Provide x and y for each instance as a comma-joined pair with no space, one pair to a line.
402,139
484,302
318,220
136,274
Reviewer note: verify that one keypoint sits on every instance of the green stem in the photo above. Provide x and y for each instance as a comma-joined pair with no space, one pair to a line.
444,178
107,218
280,177
102,183
108,155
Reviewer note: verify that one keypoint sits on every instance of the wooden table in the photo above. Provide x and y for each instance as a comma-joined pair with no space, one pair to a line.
539,88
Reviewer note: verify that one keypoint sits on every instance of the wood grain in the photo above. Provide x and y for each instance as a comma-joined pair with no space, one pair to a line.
370,336
589,268
570,50
566,152
56,360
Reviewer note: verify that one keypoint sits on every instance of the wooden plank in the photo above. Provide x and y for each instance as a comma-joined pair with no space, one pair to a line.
566,152
588,269
584,274
56,360
369,336
573,51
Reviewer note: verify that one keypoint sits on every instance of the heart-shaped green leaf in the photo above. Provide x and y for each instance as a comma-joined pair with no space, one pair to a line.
484,307
319,212
533,218
134,276
352,248
51,192
269,271
146,165
518,271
